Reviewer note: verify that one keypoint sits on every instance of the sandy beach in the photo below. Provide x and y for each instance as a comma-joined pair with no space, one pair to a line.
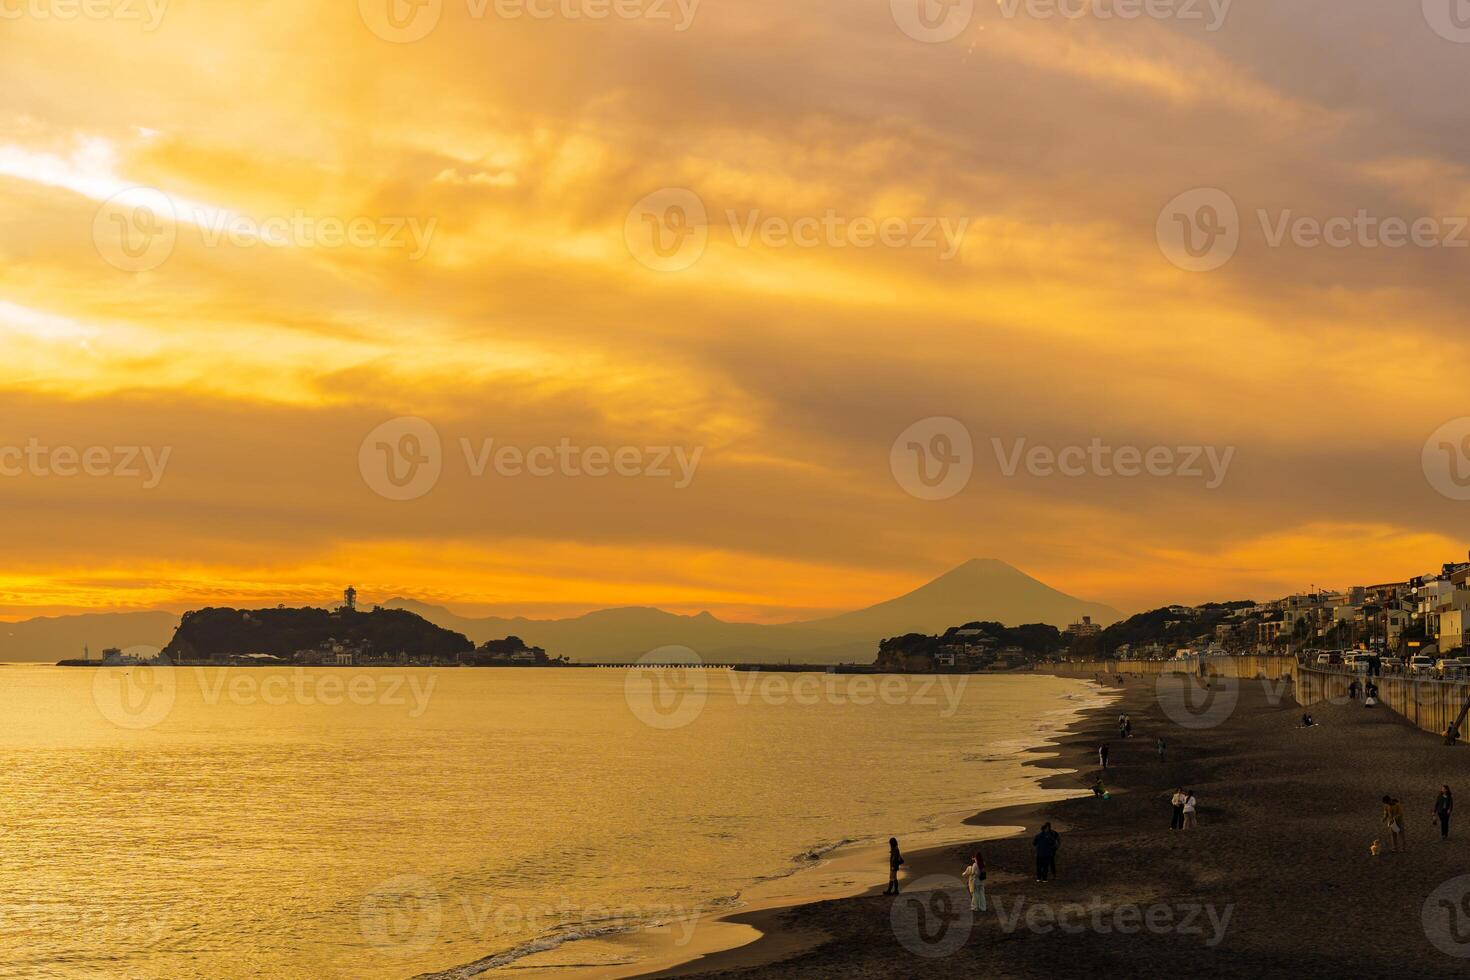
1278,879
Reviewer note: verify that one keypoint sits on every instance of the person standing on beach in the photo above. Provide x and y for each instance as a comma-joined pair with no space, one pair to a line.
1443,805
1046,844
974,876
1102,755
1191,809
1176,820
895,861
1393,822
1160,746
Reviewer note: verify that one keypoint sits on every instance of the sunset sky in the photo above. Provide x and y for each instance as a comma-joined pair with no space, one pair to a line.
498,173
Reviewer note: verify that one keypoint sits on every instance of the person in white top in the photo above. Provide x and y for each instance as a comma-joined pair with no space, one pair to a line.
974,876
1191,821
1176,819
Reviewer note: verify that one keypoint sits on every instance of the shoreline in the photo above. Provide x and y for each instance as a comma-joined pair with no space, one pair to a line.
752,934
769,942
1276,881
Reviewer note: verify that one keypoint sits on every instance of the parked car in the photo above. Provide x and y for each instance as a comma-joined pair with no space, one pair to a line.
1421,665
1448,667
1328,659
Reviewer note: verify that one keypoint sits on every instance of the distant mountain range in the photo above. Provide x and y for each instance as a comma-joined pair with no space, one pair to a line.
980,589
53,638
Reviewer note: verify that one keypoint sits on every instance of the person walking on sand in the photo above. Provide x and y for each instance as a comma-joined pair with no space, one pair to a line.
895,861
1159,745
1393,822
1191,811
1176,819
974,876
1443,805
1353,690
1046,844
1102,755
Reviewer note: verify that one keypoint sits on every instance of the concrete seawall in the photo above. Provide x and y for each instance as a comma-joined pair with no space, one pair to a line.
1246,668
1424,702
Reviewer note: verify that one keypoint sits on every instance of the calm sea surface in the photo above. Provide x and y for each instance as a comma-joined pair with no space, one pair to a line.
387,823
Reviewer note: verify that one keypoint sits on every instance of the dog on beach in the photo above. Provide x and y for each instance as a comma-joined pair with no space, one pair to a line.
1374,848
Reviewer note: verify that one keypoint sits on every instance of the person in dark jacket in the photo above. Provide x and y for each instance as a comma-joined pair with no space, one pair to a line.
1443,805
1046,844
895,861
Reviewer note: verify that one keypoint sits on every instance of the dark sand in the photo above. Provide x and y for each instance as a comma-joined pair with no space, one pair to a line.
1286,814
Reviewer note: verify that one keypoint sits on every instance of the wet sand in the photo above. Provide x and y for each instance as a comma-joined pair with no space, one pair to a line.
1277,880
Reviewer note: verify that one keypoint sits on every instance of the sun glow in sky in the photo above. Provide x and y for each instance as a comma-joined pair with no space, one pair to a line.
769,237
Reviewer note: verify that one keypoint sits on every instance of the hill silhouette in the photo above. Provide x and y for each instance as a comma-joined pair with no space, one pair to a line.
53,638
980,589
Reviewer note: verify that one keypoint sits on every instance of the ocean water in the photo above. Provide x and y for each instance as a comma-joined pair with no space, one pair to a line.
370,823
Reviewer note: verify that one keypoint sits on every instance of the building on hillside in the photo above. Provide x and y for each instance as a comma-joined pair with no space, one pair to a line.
1433,594
1267,631
1395,622
1386,592
1009,657
1451,633
1085,628
1456,600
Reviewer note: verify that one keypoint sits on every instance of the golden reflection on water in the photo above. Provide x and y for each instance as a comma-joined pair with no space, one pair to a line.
386,822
